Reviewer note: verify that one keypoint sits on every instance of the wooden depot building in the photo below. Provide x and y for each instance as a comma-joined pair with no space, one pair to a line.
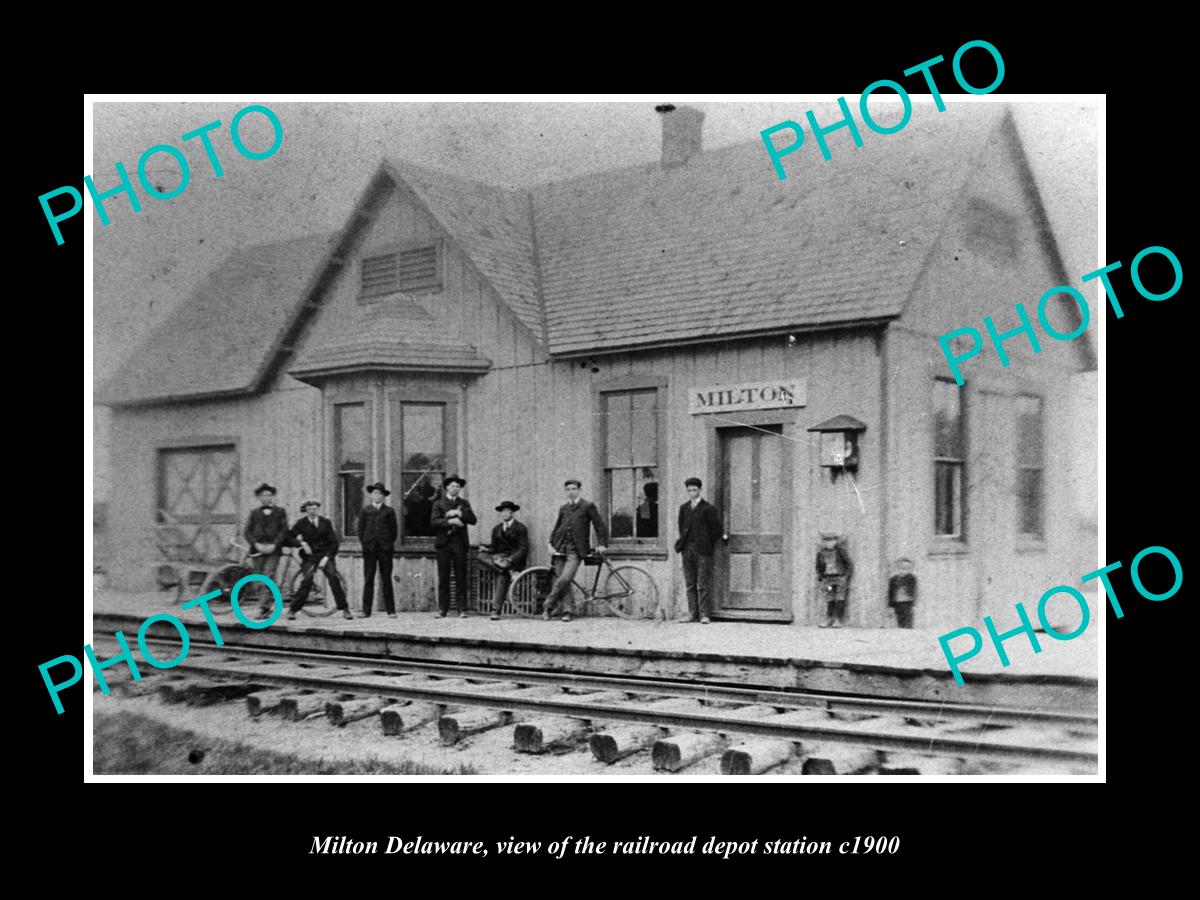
631,328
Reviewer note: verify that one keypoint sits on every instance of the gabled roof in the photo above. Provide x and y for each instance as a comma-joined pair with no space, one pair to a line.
720,246
220,340
642,256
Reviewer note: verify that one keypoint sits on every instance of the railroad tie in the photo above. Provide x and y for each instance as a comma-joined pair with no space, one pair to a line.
176,691
454,726
264,701
548,734
210,694
298,707
907,764
616,743
343,712
756,757
837,759
400,717
670,754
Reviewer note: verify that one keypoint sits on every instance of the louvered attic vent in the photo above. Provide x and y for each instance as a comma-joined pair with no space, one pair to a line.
407,271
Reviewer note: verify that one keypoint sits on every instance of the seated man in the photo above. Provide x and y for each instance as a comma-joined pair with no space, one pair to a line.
318,547
510,549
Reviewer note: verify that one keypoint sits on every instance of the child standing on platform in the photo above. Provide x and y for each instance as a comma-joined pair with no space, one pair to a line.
834,570
902,592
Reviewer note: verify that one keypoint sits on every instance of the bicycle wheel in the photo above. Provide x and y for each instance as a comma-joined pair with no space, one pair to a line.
320,602
630,592
223,580
528,591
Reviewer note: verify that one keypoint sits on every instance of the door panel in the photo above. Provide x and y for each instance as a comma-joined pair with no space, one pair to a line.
754,491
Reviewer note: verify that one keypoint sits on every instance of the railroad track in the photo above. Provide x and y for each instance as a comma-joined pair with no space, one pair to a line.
676,722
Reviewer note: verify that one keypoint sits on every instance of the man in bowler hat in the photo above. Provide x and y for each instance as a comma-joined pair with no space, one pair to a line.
266,533
450,517
570,544
377,531
700,530
318,548
510,549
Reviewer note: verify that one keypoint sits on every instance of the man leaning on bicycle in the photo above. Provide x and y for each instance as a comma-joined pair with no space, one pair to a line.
570,543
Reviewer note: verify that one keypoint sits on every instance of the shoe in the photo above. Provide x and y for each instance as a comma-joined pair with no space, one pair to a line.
495,617
347,614
391,615
461,614
441,615
704,620
291,616
566,617
825,625
836,625
545,615
364,615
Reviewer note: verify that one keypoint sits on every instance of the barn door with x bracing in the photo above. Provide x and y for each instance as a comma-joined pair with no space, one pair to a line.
198,493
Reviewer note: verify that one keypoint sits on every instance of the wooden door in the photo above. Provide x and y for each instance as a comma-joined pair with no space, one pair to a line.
756,495
198,495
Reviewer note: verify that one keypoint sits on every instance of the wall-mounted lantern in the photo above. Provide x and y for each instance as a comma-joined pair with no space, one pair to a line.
839,443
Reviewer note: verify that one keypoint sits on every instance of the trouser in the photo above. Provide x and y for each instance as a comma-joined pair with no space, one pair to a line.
375,557
453,553
308,571
565,568
503,580
904,613
835,590
698,576
265,564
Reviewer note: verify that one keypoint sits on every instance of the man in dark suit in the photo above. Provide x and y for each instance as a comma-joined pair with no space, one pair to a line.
700,530
377,531
450,517
509,549
570,543
318,548
266,533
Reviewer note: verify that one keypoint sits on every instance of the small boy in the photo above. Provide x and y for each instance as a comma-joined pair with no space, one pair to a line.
834,570
902,592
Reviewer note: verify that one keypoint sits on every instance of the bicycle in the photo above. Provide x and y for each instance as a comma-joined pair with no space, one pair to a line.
320,601
629,591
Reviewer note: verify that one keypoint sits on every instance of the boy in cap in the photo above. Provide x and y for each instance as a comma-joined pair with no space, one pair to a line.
509,549
450,517
834,570
318,543
266,533
377,532
902,592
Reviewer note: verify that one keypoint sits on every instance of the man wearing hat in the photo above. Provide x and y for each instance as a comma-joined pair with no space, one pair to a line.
450,517
266,533
700,530
509,549
318,546
834,570
570,544
377,531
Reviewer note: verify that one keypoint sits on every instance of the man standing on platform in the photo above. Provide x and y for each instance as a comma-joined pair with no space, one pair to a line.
377,531
318,547
450,517
699,531
509,549
570,543
266,533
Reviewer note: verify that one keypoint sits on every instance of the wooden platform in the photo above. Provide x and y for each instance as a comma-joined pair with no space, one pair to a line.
877,662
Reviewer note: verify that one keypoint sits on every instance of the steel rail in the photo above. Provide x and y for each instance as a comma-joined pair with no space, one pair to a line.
635,684
577,706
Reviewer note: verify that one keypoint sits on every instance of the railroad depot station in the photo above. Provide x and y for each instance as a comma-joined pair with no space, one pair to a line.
632,328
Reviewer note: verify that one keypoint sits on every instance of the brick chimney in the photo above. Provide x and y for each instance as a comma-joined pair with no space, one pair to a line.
682,128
